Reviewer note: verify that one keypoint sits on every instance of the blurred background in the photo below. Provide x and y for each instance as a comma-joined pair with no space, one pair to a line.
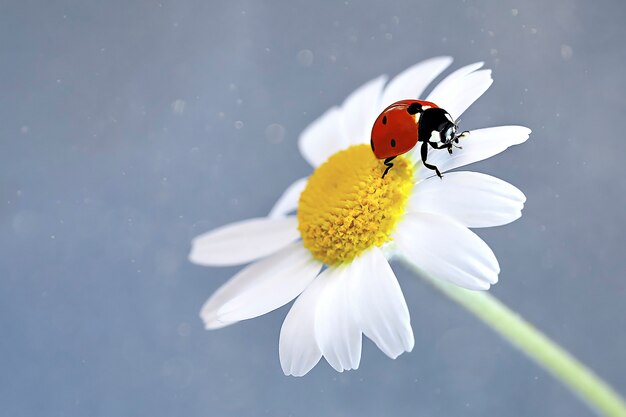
127,128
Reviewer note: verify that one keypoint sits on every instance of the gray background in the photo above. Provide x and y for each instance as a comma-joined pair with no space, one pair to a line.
127,128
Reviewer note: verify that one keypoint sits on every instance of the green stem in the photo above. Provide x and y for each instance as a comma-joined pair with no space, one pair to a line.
538,347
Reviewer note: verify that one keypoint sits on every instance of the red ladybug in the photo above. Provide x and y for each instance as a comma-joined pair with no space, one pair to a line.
404,123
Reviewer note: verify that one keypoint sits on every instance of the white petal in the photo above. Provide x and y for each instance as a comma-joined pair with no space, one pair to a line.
411,83
477,145
288,202
447,250
360,110
336,330
242,242
444,94
381,310
465,92
232,287
298,348
323,137
278,280
473,199
253,279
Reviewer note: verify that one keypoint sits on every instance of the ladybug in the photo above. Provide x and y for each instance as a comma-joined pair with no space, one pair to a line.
404,123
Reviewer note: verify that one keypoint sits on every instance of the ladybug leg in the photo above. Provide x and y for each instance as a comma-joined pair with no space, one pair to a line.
447,146
439,146
424,153
388,164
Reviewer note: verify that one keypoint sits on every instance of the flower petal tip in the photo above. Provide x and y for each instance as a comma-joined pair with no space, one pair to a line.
210,319
482,286
493,279
196,256
408,347
213,324
521,197
524,131
290,370
289,373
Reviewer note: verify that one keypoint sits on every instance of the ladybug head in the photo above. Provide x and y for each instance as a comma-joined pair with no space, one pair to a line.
438,126
448,134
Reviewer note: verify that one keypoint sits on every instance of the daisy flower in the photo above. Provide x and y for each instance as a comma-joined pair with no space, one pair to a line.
333,255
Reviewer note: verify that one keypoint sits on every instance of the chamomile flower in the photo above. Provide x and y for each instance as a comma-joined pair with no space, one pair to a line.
333,255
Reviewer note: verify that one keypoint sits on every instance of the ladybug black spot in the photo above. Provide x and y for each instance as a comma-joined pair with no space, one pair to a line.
393,143
414,108
384,120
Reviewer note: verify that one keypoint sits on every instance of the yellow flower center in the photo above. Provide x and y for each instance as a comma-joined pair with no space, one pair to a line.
347,207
